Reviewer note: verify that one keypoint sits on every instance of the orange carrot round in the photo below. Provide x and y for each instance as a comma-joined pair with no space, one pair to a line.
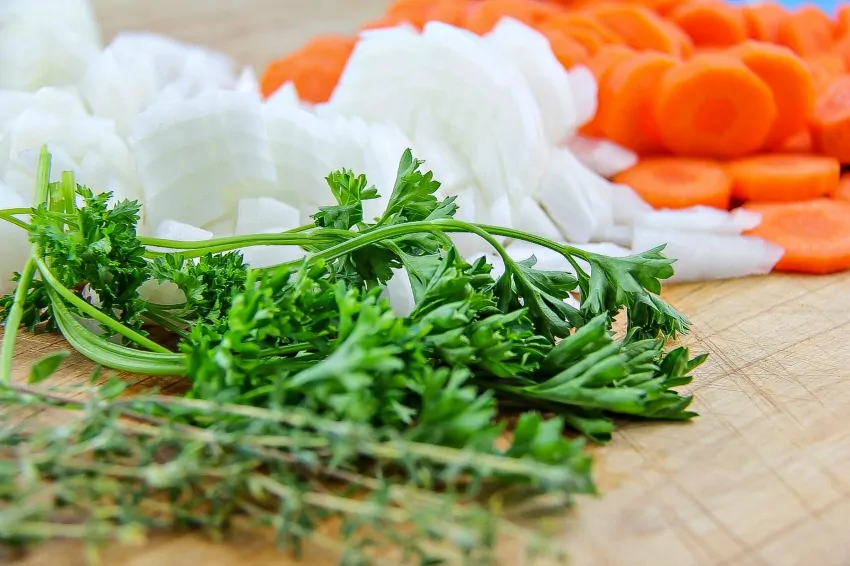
790,81
679,182
482,16
807,31
314,69
685,47
814,233
800,142
830,125
763,20
714,106
710,24
414,12
842,26
452,12
574,21
381,23
639,27
627,98
601,64
842,191
567,50
776,177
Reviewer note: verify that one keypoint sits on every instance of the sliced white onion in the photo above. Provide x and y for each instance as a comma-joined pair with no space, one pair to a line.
532,54
528,216
399,293
14,241
172,230
195,156
700,219
627,204
703,256
602,156
585,91
258,215
568,199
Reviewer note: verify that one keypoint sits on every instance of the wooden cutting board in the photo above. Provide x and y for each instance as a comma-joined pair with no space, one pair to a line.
762,477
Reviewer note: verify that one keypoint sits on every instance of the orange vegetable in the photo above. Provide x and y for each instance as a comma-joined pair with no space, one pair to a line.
482,16
842,27
414,12
601,64
814,233
801,142
763,20
315,68
790,81
807,31
830,125
452,12
568,21
639,27
709,23
841,48
714,106
685,46
842,191
385,22
679,182
822,75
627,98
567,50
776,177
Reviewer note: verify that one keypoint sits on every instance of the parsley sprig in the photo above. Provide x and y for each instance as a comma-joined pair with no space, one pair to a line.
310,356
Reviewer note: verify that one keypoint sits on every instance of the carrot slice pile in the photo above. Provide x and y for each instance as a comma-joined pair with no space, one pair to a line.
808,31
842,191
450,12
814,233
763,20
601,64
830,125
414,12
775,177
482,16
679,182
714,106
790,82
629,120
639,27
710,23
567,50
314,69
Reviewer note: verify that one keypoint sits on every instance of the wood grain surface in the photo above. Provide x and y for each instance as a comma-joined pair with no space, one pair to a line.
762,477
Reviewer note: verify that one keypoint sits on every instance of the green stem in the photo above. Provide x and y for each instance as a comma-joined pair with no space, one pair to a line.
94,313
8,216
13,321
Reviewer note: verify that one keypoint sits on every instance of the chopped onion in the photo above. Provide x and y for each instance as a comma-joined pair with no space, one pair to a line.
700,219
585,90
703,256
14,242
399,293
602,156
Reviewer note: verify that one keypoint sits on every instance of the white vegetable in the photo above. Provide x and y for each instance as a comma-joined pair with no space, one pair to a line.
196,156
259,214
45,42
567,195
399,293
172,230
446,78
700,219
702,256
14,243
550,85
627,204
529,217
585,91
602,156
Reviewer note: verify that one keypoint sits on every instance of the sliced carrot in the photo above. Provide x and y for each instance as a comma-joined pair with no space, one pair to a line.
314,69
639,27
776,177
790,81
842,191
711,24
601,64
573,21
567,50
381,23
627,98
807,31
679,182
822,75
685,45
830,125
452,12
842,26
834,63
714,106
482,16
414,12
763,20
814,233
800,142
841,48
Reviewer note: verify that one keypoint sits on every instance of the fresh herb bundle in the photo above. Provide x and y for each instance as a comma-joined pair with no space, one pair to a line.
304,378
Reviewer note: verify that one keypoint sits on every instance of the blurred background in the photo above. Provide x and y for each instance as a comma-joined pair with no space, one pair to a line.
233,26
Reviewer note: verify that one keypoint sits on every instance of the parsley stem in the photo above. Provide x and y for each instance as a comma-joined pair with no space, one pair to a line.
94,313
9,216
13,322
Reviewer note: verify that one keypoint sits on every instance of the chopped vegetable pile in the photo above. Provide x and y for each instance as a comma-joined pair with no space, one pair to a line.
380,358
723,104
